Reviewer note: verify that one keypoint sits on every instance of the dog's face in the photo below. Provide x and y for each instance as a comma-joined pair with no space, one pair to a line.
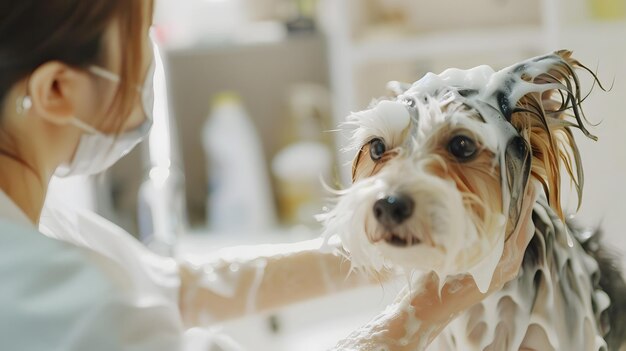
440,169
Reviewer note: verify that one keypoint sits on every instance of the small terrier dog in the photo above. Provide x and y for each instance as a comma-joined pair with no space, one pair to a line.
440,173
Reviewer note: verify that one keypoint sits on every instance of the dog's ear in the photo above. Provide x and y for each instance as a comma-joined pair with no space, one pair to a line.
518,164
541,98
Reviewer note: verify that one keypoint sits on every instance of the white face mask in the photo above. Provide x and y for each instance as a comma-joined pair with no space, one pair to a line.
97,151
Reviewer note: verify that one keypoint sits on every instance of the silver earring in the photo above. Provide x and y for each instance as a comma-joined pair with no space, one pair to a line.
23,104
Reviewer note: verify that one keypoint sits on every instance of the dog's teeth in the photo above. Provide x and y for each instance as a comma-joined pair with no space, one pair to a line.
396,240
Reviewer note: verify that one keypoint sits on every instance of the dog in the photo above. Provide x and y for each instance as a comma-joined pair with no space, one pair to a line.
439,177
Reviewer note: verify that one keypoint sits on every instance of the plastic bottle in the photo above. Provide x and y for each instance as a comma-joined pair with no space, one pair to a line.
240,197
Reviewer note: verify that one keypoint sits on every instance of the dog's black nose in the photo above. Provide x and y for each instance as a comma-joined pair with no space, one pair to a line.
392,210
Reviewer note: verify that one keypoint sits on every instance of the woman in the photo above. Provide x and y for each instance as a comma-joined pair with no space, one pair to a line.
75,95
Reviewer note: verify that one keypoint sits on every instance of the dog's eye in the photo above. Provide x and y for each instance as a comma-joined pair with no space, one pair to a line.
462,147
377,149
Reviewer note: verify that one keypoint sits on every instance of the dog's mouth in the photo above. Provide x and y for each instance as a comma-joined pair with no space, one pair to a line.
399,241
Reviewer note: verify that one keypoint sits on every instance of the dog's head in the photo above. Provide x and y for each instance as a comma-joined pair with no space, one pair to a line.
441,169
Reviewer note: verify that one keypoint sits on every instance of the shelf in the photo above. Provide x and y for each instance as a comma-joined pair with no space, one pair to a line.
433,44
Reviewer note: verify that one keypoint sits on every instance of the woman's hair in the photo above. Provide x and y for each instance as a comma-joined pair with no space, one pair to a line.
33,32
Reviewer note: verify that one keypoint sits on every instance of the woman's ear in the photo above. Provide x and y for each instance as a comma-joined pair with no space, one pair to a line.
53,89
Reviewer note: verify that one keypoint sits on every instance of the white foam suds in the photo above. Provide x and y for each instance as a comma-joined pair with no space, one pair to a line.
259,272
387,120
556,314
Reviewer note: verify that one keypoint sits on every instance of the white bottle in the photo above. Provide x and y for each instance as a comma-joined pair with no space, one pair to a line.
240,197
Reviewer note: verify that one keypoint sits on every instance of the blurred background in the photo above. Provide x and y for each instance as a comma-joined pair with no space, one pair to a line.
255,89
243,130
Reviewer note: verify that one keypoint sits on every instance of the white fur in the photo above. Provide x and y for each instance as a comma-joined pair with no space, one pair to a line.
547,311
453,241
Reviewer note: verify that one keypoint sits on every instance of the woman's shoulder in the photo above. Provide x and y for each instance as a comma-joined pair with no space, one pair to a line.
30,260
71,298
48,287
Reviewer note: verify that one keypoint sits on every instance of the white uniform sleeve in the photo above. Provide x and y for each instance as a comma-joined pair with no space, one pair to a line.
145,287
53,296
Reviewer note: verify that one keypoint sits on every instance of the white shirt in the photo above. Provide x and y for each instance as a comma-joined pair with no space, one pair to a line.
85,286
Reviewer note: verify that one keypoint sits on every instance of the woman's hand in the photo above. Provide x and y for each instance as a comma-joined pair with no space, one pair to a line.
415,320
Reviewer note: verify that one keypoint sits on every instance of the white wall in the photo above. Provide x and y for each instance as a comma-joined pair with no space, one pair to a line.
603,46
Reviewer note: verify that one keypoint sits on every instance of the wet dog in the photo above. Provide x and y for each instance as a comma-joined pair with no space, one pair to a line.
439,177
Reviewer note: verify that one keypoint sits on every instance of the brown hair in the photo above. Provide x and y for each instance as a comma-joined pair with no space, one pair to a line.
33,32
546,121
